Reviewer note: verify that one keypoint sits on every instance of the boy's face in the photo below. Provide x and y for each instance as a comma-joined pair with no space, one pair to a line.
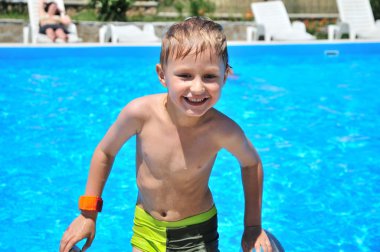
194,83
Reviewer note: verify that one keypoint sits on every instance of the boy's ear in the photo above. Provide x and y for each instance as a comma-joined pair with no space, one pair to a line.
161,74
225,76
226,73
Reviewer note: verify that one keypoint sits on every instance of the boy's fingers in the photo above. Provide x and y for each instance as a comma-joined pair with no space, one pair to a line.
87,244
64,241
67,246
267,247
70,245
257,247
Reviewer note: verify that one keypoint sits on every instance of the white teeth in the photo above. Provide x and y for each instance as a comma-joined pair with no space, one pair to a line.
192,99
196,100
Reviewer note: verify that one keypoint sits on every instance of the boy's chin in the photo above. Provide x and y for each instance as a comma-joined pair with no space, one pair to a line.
196,110
196,113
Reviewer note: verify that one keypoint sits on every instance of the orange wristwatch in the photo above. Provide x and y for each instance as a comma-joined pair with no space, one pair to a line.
90,203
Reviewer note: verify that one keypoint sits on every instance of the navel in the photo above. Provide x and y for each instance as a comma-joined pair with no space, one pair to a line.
164,214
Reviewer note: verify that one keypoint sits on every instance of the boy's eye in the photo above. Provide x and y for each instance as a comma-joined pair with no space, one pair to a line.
185,76
210,76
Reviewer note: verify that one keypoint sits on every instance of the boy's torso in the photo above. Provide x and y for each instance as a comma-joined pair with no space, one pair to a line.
174,163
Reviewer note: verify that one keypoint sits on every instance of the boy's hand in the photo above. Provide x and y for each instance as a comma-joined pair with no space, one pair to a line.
82,227
254,238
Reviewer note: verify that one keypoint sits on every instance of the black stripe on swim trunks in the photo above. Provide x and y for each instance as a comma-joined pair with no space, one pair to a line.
202,237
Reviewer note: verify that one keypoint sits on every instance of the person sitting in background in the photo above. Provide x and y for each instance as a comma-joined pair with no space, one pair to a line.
53,21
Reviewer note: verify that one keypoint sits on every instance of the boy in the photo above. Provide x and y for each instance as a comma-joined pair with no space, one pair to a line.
179,134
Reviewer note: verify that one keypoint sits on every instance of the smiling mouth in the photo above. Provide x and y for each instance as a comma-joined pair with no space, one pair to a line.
196,101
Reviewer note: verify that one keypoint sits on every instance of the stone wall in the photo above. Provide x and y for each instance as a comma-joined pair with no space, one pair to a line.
11,31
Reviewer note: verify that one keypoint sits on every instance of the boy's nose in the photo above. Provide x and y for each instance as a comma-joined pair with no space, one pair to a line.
197,86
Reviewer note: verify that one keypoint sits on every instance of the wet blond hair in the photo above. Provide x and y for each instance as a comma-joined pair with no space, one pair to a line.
194,36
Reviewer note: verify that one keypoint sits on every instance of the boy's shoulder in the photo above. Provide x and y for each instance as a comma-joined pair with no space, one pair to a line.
224,123
143,106
221,117
146,102
148,98
226,131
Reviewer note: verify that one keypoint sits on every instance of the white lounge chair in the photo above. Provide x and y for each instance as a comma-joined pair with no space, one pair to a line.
31,32
356,20
104,34
273,23
128,34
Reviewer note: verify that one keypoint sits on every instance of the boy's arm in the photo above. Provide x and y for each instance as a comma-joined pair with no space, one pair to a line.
252,179
128,123
252,175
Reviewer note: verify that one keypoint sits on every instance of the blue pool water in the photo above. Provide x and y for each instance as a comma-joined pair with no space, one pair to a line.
312,111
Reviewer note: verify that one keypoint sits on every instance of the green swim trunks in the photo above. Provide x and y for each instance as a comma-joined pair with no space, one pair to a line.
193,234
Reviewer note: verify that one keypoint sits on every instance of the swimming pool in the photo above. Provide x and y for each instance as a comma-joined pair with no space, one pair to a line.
312,111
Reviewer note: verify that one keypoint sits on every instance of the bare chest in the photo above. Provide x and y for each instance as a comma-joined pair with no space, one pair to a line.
170,149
